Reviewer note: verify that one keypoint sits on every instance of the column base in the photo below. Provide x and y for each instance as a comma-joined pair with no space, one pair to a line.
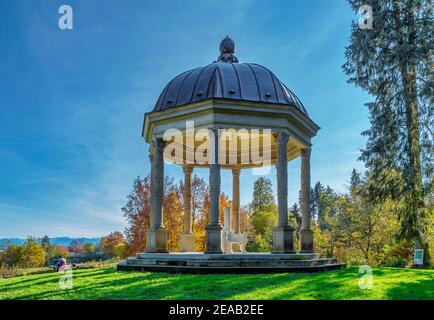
187,242
214,237
283,240
306,237
157,240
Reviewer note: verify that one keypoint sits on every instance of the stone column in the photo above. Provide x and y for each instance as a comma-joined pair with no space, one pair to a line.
157,234
187,237
151,213
214,228
306,234
236,199
283,239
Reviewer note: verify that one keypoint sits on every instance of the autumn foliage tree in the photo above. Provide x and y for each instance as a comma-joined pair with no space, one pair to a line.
137,213
200,210
173,214
113,245
138,207
29,255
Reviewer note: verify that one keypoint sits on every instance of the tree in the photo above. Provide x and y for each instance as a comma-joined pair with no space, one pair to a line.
363,225
12,256
199,198
263,216
59,252
45,243
356,181
393,62
33,254
89,249
356,230
263,197
137,212
113,245
77,246
324,207
323,204
199,209
295,212
328,201
263,223
173,214
315,206
246,226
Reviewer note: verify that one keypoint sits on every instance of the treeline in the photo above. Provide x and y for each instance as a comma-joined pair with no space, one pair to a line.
346,225
355,229
38,253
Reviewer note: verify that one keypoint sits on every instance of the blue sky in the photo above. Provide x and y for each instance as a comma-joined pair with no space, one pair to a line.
72,101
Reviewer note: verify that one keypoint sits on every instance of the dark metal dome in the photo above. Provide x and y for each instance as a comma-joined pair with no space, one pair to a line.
227,79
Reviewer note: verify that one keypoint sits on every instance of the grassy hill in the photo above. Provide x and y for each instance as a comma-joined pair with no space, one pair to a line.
107,283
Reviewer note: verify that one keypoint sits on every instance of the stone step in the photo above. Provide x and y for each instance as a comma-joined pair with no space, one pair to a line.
233,256
124,266
229,263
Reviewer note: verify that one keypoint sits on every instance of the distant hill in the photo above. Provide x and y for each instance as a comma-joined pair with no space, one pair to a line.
60,241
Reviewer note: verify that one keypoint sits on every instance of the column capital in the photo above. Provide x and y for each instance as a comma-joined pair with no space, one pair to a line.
214,128
305,152
282,138
236,171
188,169
158,144
215,131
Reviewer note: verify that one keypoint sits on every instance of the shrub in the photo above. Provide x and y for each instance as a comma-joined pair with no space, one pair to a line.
15,271
97,264
259,244
395,262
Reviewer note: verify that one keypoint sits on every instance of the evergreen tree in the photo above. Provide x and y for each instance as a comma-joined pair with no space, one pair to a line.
315,201
263,198
295,211
393,62
45,243
356,180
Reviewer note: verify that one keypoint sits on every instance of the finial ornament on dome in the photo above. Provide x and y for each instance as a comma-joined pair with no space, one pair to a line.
227,50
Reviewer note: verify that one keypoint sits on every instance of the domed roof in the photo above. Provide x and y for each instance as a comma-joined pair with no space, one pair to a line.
227,79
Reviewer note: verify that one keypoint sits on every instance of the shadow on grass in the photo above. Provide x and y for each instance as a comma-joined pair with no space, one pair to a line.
110,284
340,284
422,289
41,280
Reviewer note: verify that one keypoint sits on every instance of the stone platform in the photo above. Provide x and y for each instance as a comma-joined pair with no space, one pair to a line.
229,263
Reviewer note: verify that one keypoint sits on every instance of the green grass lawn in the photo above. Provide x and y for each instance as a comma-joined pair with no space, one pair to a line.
107,283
